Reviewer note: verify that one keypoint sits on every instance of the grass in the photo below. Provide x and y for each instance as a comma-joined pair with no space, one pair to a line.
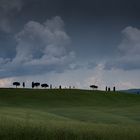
27,114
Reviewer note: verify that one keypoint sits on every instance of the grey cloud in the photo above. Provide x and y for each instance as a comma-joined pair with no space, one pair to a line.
92,64
128,51
8,5
8,8
40,48
42,42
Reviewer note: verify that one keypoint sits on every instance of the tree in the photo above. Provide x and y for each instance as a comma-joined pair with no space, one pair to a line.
32,84
109,89
114,89
93,87
36,84
106,88
60,87
45,85
16,84
23,84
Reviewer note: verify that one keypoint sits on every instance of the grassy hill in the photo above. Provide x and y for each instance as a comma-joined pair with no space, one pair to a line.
27,114
132,91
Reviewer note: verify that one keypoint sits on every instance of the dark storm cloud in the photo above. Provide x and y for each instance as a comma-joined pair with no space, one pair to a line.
8,10
92,26
40,48
82,9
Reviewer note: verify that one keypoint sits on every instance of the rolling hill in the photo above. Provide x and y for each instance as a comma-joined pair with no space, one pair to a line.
132,91
68,115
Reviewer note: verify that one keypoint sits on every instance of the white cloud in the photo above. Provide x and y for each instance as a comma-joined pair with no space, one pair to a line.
42,42
83,78
6,82
128,51
40,48
121,79
126,85
96,78
130,44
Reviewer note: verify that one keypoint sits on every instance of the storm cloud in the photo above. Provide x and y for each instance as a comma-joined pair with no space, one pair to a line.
80,41
40,48
128,51
8,10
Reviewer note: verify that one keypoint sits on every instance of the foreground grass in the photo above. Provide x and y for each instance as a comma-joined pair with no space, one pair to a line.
68,115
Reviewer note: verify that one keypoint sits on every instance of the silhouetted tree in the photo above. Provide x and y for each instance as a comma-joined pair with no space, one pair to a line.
32,84
45,85
16,84
23,84
60,87
106,88
36,84
109,89
93,87
114,89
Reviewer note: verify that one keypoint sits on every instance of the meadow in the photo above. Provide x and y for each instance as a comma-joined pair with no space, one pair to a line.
44,114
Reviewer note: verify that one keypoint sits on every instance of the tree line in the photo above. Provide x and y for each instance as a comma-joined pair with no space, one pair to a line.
37,84
108,89
45,85
34,84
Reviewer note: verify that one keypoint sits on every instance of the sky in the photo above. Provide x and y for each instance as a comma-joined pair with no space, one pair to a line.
70,43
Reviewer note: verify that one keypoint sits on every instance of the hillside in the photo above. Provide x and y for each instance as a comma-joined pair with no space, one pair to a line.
132,91
68,114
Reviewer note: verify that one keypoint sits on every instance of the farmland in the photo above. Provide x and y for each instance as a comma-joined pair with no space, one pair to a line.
43,114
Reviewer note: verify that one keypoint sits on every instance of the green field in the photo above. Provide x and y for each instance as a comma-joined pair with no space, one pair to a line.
27,114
